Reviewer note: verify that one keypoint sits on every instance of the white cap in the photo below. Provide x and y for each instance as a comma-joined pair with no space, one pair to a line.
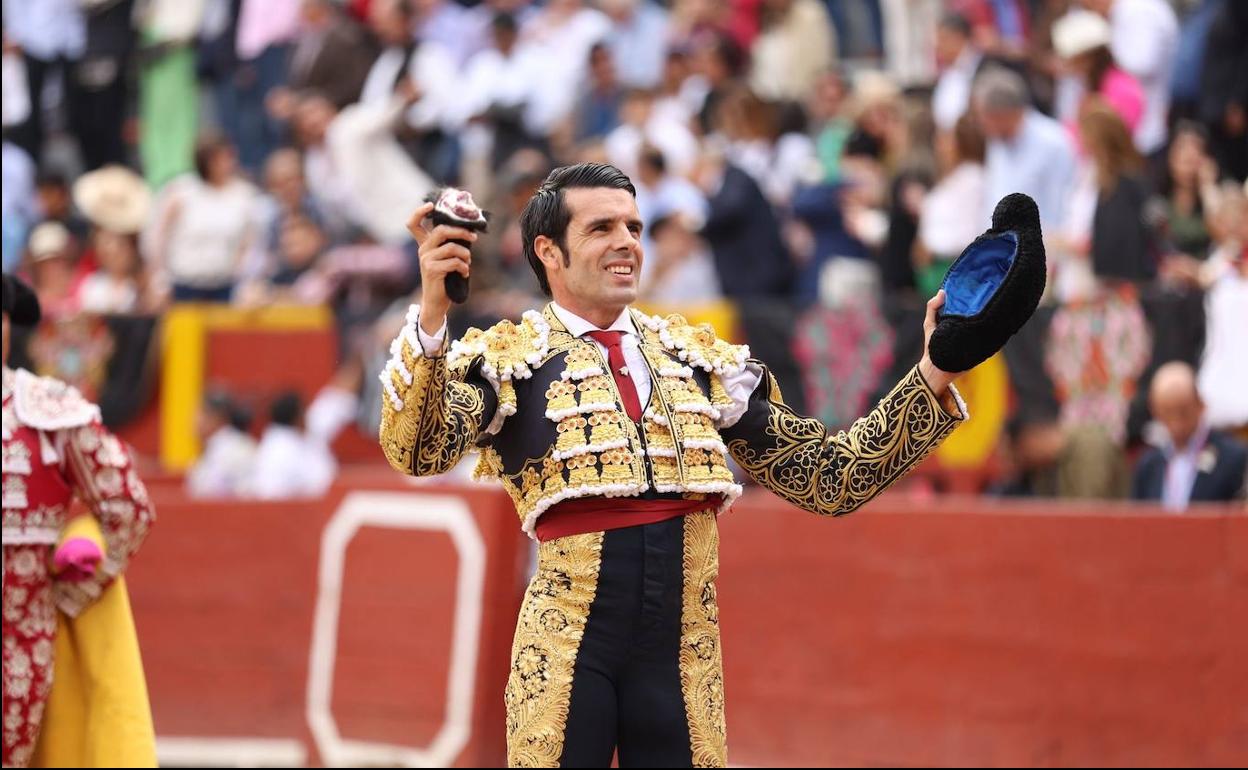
1079,31
48,240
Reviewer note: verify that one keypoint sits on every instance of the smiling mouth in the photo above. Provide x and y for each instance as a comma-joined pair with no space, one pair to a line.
620,269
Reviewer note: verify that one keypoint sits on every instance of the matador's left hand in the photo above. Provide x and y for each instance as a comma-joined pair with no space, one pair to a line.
938,379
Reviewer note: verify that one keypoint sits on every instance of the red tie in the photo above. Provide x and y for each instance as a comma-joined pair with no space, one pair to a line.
619,370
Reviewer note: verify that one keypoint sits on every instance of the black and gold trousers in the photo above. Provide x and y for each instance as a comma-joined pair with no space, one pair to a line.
617,647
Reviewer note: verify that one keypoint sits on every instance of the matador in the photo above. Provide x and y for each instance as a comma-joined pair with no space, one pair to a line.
611,430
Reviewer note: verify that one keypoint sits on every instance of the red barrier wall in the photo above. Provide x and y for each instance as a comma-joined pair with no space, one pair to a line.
946,633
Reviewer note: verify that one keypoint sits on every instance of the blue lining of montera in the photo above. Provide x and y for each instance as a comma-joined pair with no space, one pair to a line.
975,276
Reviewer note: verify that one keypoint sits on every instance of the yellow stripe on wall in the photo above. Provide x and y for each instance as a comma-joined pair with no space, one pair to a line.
184,340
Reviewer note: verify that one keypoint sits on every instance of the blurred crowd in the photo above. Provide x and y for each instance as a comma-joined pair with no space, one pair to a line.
814,164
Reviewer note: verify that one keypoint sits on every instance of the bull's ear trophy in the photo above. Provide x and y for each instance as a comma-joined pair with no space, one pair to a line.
456,208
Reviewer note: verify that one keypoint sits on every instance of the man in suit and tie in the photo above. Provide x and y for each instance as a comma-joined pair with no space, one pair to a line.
1194,463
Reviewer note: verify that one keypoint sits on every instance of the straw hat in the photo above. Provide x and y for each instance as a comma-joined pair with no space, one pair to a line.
1078,32
113,198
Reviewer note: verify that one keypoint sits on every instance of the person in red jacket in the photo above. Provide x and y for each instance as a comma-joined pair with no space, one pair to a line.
55,450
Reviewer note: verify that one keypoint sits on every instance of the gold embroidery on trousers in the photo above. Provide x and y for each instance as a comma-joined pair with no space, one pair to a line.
548,635
701,663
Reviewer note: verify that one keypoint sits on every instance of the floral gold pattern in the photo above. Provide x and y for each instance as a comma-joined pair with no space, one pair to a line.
833,474
548,635
701,662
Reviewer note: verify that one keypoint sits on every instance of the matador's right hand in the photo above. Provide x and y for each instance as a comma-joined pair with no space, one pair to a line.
438,258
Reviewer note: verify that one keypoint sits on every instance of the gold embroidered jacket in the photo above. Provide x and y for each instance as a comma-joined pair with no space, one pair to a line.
548,418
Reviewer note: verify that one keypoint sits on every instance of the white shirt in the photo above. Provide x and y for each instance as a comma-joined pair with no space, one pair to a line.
289,465
949,219
46,29
738,386
1181,470
639,45
210,230
492,79
952,95
224,469
433,70
1224,369
1144,41
380,179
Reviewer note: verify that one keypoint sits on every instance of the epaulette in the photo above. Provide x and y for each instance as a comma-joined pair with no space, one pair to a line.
697,345
45,403
508,350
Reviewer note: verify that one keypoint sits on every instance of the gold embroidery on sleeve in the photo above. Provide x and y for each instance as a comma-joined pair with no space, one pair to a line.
835,474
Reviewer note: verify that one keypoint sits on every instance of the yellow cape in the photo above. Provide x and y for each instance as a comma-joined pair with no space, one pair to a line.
98,714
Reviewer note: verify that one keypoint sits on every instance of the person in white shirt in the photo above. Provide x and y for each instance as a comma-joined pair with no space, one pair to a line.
1027,152
288,463
1145,41
949,217
208,225
356,167
638,40
46,33
684,270
959,61
225,467
428,65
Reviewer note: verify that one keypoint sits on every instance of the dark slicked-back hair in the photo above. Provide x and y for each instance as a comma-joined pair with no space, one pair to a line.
547,212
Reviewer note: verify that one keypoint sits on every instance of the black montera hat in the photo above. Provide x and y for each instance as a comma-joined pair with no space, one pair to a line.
20,302
992,288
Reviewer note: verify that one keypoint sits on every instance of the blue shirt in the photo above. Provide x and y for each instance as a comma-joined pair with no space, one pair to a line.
1038,161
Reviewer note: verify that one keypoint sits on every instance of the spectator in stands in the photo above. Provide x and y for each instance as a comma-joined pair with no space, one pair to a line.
764,141
1191,463
208,226
1224,368
429,68
1099,341
1223,106
445,24
638,40
116,286
1047,460
600,103
357,168
55,201
1027,152
53,257
959,62
949,219
683,271
1144,41
50,38
719,63
286,193
18,207
1082,38
661,192
301,244
744,234
287,463
333,55
1122,247
1188,187
224,468
831,126
796,44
